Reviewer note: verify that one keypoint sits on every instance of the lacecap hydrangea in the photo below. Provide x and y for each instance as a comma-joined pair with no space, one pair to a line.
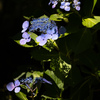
46,27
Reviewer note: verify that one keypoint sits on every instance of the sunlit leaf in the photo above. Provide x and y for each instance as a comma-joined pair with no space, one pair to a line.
56,17
90,22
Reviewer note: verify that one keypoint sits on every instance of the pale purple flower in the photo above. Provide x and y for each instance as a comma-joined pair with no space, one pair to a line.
65,6
26,38
42,39
25,26
76,4
54,2
14,86
53,33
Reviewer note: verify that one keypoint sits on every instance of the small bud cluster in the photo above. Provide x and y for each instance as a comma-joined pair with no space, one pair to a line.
16,84
65,4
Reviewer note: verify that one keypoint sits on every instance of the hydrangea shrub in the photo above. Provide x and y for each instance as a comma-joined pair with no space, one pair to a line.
68,49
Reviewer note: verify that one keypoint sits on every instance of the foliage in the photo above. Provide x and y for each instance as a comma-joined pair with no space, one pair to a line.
72,59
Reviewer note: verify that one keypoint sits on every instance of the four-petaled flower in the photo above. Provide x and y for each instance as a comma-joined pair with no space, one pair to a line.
42,39
25,26
65,6
26,38
53,33
10,86
76,4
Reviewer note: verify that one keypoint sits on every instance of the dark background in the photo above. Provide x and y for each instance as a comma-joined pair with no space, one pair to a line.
13,56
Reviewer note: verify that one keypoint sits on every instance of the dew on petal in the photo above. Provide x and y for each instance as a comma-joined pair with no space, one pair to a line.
10,86
17,89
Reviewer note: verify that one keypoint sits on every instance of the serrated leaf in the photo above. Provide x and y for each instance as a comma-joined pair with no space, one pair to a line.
90,22
21,96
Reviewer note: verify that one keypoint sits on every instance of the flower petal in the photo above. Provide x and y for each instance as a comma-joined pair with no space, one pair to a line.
17,83
10,86
25,24
25,35
23,41
17,89
46,81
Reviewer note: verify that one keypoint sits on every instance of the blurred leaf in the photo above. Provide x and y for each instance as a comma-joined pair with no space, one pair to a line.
56,17
90,22
21,96
85,39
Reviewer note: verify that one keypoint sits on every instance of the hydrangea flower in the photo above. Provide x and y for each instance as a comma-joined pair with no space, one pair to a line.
28,80
76,4
42,80
65,6
25,26
14,86
42,39
53,33
54,2
26,38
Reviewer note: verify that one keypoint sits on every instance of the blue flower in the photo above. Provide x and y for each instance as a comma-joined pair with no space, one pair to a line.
65,6
14,86
25,26
76,4
26,38
41,80
28,80
42,39
53,33
54,2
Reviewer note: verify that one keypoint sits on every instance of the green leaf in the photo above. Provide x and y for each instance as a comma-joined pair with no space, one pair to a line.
90,22
56,17
58,81
33,36
21,96
94,3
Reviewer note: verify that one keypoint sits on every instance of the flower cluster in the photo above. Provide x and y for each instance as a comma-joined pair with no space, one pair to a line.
43,25
65,4
15,85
